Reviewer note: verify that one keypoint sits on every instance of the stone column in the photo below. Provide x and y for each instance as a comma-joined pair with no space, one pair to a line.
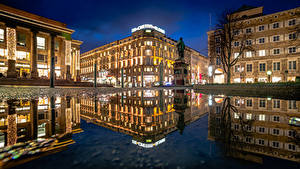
52,61
11,41
11,123
68,59
33,60
77,66
52,113
34,118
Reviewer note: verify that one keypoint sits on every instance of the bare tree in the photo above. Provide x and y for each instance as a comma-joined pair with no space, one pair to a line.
229,30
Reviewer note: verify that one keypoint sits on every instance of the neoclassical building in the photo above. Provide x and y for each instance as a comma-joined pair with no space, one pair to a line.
142,59
274,39
29,43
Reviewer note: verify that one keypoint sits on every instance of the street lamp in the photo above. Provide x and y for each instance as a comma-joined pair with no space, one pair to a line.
269,73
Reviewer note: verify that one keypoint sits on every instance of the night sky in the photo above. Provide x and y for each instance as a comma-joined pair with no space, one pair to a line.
97,22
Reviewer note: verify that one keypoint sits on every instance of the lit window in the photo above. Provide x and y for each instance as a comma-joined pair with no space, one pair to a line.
248,116
262,52
41,42
1,35
249,54
149,43
236,115
236,55
148,52
262,117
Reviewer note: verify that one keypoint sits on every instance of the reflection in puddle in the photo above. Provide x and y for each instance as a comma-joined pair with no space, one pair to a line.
247,128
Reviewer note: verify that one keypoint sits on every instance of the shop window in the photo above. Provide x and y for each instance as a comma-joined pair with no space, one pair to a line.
41,43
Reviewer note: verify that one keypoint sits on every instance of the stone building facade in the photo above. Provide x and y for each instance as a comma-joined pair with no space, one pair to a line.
28,42
259,127
275,42
143,59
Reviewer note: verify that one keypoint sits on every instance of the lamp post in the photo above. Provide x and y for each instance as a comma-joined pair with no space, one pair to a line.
269,73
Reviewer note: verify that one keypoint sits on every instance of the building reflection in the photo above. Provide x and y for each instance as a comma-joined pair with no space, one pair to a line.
27,125
253,128
148,115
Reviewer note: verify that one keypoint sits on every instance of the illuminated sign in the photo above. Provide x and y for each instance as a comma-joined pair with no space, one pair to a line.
149,145
148,26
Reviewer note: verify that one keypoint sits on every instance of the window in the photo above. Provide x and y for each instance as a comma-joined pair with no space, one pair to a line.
275,144
292,104
236,32
237,102
236,43
276,51
261,40
249,102
21,39
218,109
249,42
248,116
236,126
261,129
262,52
262,117
292,147
218,61
292,22
249,54
261,28
276,104
248,139
218,50
249,67
262,103
41,42
248,30
292,50
148,52
292,36
276,118
276,38
276,66
237,68
276,131
236,55
262,67
218,39
1,35
292,133
236,116
275,25
42,58
149,43
292,65
261,142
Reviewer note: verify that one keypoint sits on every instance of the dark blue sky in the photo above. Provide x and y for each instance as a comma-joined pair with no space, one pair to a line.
98,22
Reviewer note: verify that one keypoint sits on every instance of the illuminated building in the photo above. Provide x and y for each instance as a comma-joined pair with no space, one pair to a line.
148,116
143,59
275,41
24,121
28,41
259,128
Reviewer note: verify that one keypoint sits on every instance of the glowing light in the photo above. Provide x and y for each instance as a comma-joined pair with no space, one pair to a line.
11,43
68,52
148,26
